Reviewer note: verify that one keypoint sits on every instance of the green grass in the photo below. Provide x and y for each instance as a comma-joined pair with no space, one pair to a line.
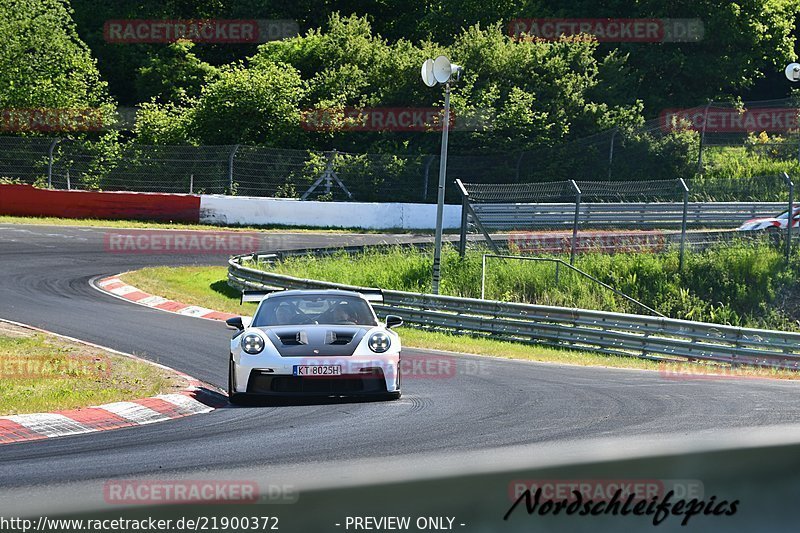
206,287
744,284
136,224
43,373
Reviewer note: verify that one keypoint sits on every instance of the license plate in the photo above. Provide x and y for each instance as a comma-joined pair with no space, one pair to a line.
317,370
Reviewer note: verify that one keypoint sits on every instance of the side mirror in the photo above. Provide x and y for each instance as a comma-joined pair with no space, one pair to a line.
235,323
392,321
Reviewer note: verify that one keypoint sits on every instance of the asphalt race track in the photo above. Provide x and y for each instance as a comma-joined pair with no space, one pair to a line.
488,403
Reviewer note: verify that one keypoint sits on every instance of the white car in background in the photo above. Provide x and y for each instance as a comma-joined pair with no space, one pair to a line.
324,343
772,223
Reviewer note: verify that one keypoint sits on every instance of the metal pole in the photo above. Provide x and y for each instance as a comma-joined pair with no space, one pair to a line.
230,169
425,180
519,162
575,223
790,217
703,138
50,162
437,252
483,277
683,220
462,241
191,183
611,152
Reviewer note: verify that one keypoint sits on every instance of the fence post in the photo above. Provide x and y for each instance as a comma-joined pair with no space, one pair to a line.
575,223
683,219
462,241
703,138
230,169
519,162
50,162
427,173
611,152
790,216
191,183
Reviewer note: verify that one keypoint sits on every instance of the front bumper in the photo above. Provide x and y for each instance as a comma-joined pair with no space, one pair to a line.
274,376
366,384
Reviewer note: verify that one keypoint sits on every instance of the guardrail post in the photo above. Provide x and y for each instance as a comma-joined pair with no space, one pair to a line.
575,223
50,162
790,216
230,169
683,219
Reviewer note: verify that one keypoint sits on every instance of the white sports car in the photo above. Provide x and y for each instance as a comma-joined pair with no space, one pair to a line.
314,343
772,223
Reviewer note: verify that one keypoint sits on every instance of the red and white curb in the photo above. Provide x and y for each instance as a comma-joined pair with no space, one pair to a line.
115,286
196,398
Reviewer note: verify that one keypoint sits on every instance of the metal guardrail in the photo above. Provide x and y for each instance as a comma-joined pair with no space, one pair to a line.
580,329
509,216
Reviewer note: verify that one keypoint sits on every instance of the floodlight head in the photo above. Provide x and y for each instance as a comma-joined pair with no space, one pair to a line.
442,69
793,72
427,73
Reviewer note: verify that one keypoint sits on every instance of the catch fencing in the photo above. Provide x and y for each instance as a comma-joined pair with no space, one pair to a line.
580,329
491,207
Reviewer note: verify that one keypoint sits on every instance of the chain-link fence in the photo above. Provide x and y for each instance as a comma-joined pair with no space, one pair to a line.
680,143
598,206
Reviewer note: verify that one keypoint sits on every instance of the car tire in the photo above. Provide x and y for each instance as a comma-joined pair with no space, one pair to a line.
236,398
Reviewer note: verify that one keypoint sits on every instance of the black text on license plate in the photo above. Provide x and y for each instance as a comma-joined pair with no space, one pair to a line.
317,370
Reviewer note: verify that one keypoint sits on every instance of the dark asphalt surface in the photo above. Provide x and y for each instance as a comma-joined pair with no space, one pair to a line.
488,403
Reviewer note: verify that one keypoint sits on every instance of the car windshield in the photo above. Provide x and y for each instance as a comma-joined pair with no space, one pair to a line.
314,309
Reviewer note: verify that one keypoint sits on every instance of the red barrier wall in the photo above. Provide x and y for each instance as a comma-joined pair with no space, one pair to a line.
25,200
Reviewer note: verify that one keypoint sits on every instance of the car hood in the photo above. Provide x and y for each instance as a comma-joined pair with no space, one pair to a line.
327,340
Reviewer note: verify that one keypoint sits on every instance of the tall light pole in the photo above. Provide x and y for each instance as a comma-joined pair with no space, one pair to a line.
440,71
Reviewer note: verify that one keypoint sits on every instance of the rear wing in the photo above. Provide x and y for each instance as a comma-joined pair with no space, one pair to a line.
256,296
371,295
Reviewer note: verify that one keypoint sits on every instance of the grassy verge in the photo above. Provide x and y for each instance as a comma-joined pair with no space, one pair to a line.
206,287
43,373
139,224
742,284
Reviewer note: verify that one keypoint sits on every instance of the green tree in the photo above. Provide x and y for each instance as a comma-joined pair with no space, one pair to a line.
174,74
43,62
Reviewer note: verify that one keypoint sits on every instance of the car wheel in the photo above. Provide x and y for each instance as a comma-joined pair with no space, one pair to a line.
236,398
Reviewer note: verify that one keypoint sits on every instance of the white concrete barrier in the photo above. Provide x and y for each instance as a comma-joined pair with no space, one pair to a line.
244,210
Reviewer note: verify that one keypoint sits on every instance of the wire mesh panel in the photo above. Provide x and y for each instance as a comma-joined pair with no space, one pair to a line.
261,171
24,158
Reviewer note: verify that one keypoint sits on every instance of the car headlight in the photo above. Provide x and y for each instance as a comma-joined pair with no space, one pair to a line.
379,342
252,344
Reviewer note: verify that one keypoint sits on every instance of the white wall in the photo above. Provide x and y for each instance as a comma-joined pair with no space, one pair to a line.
218,209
